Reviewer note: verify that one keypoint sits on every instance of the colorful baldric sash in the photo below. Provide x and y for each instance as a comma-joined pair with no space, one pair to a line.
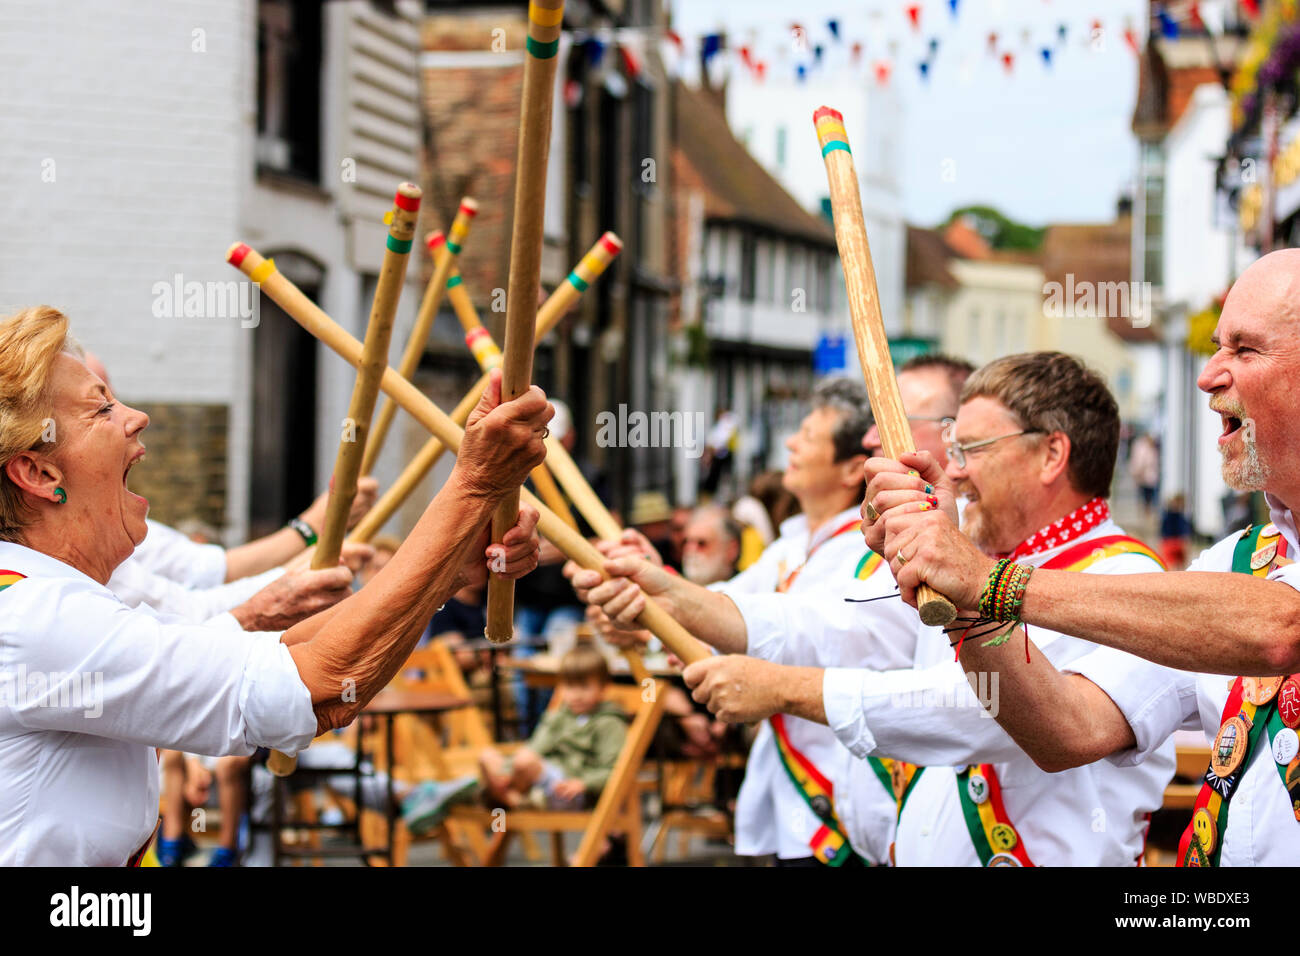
996,840
8,578
829,844
1258,551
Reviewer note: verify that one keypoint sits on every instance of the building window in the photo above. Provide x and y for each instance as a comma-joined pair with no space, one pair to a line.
289,87
748,253
1153,218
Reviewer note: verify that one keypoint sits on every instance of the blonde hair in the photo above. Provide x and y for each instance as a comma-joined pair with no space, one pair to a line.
30,341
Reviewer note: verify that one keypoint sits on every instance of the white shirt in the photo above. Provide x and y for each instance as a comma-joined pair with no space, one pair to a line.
78,769
1157,701
136,585
819,628
771,816
166,551
929,715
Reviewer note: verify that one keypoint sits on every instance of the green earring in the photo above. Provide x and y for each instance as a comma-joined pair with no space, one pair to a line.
61,495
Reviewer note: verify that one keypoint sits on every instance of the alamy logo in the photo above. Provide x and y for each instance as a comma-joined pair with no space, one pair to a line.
231,299
59,690
1106,300
651,430
74,908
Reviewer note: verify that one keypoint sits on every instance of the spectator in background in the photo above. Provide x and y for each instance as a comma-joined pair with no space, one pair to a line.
1144,467
565,763
1175,530
676,537
781,504
719,448
756,528
712,547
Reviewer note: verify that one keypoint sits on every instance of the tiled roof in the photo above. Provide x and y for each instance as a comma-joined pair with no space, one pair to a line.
736,186
1096,253
927,259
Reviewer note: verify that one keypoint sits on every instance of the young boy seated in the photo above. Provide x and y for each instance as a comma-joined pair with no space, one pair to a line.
563,766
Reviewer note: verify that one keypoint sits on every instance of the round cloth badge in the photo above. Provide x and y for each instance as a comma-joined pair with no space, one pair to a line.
1205,830
1286,746
1260,690
1288,702
1262,557
977,788
1003,836
1229,747
1003,859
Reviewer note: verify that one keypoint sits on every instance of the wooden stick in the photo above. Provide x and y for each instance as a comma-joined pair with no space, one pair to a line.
419,336
374,359
310,316
544,20
864,309
587,271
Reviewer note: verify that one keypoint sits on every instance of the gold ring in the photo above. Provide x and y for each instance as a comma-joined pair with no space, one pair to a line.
872,513
902,559
546,433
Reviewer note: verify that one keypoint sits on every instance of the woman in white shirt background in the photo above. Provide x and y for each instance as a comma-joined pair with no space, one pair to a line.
89,687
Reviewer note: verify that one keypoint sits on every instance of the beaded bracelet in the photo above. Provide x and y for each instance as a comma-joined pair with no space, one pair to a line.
1004,596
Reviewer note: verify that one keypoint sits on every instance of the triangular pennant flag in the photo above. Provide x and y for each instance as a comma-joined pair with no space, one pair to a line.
924,67
834,27
1008,61
882,69
914,14
1046,53
952,5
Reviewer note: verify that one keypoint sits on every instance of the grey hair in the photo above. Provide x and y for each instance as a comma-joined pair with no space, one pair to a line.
848,399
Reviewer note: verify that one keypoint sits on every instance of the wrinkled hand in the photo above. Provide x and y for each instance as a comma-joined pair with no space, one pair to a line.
622,596
736,689
632,543
503,441
916,481
292,597
515,556
936,553
569,789
367,493
624,640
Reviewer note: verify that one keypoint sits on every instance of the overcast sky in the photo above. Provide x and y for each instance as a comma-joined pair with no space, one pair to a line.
1041,144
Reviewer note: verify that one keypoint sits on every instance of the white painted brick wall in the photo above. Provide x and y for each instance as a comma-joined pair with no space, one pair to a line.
152,150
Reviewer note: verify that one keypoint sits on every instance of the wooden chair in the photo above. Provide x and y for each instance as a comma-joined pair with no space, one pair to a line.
619,806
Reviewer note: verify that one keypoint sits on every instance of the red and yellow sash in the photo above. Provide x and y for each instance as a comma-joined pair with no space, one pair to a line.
1256,554
829,844
8,578
996,839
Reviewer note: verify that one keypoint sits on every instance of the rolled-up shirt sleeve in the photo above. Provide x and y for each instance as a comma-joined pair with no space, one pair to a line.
83,662
929,716
1155,700
822,629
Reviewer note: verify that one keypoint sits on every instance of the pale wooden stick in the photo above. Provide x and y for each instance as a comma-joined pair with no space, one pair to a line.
379,332
557,305
419,336
310,316
864,310
544,20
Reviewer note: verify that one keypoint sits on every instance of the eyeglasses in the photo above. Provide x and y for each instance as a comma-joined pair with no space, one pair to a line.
945,422
957,450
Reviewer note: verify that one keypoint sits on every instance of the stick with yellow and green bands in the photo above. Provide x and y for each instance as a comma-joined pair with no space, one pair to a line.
419,336
544,21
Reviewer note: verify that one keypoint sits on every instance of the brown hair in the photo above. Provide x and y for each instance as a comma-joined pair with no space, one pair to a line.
956,370
583,663
30,341
1054,392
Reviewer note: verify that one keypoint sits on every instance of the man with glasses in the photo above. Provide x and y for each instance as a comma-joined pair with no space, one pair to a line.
797,795
1234,611
1032,451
